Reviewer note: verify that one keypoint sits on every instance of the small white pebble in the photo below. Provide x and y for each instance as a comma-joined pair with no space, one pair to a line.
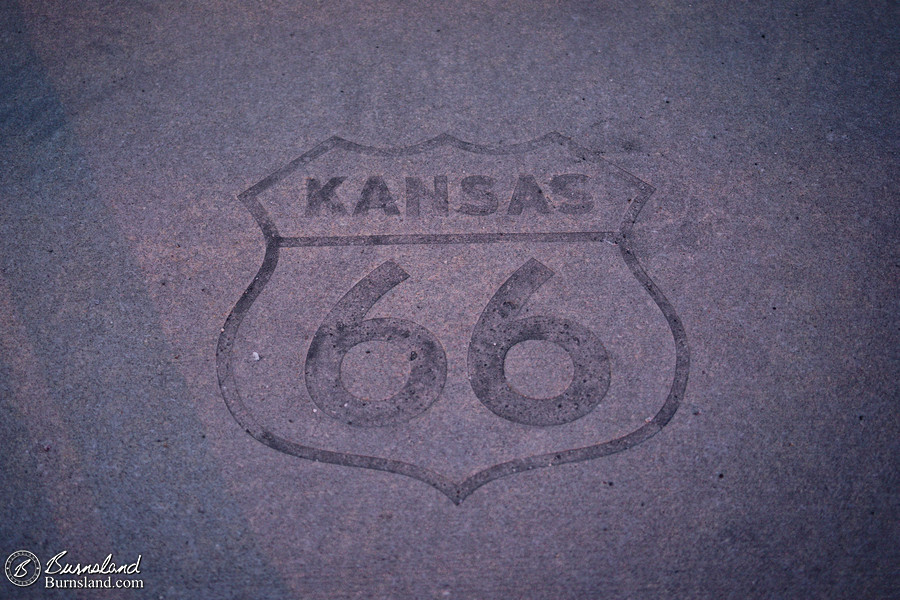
256,356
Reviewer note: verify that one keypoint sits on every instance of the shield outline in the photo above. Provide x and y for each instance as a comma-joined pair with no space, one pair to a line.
456,491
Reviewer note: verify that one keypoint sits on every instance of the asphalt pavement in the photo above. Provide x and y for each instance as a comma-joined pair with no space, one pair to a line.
476,300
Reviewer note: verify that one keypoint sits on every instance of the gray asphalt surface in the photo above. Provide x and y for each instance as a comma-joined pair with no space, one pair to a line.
644,346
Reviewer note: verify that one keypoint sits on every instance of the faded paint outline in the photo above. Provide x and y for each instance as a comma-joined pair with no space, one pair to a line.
456,491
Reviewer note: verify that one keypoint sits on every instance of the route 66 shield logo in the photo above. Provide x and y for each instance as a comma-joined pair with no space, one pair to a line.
451,312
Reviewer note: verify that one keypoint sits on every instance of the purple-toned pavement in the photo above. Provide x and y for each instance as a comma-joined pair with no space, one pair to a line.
449,300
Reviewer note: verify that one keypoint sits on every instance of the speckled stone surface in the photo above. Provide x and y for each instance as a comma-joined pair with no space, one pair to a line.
604,304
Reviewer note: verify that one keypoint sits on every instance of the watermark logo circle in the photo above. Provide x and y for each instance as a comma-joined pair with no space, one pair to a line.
22,568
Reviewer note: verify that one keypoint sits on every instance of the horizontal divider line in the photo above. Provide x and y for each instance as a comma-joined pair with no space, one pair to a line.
444,238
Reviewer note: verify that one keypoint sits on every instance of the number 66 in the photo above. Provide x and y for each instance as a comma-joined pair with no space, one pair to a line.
497,331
